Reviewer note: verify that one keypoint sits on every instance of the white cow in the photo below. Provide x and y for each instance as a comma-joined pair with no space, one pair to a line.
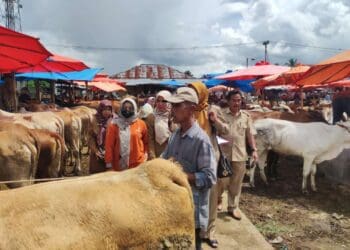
315,142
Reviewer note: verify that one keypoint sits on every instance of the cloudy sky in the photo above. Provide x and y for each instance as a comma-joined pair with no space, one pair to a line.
202,36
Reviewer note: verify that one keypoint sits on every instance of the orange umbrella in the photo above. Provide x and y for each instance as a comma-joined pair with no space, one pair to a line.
286,78
333,69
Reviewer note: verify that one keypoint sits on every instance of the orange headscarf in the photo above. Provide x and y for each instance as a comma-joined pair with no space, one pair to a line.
202,107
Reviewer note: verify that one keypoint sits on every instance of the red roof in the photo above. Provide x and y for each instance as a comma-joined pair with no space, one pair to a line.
152,71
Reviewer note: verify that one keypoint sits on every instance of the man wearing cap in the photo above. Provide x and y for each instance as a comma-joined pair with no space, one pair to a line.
190,146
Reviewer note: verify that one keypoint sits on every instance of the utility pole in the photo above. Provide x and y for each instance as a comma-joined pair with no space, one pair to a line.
11,14
265,43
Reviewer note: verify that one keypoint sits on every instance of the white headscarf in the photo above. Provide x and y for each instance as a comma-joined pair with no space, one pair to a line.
161,121
124,133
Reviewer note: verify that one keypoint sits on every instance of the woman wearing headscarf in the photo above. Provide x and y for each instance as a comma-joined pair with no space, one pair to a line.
97,135
203,121
159,126
126,139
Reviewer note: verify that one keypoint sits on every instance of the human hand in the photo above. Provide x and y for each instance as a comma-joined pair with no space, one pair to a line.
212,116
255,156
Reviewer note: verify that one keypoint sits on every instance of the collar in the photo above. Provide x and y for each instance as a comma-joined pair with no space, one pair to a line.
190,132
228,111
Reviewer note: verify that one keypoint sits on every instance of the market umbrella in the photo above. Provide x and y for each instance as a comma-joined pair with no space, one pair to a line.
172,83
103,82
330,70
285,78
254,72
56,63
218,88
341,83
18,50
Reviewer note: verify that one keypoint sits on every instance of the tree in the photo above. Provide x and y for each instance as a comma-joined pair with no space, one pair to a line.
292,62
188,73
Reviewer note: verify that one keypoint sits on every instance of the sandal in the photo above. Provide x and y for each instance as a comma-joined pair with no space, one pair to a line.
212,243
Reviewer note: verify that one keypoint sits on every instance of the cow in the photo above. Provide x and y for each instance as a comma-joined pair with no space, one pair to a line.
315,142
148,207
72,137
19,155
39,120
86,116
298,116
49,151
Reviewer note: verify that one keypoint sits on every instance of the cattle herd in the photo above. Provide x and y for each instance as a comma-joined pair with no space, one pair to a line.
45,139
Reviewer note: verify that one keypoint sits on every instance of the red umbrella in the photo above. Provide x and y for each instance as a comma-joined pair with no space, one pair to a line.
56,63
254,72
286,78
18,50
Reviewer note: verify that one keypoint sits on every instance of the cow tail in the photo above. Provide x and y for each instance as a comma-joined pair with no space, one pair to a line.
61,151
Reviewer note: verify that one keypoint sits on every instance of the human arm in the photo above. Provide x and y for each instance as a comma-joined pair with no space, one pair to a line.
145,139
217,119
110,144
205,176
151,136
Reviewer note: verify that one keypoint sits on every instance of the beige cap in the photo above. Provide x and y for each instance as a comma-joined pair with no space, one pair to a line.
183,94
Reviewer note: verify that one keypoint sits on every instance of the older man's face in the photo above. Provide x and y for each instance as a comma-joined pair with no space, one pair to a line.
181,111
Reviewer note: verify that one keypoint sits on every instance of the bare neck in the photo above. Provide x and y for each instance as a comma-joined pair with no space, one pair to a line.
186,125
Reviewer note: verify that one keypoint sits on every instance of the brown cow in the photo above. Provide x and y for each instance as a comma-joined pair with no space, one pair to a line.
19,155
148,207
72,133
49,147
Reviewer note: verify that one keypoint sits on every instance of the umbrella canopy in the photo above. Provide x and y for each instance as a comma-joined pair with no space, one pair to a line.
173,83
285,78
254,72
341,83
18,50
56,63
84,75
218,88
333,69
103,82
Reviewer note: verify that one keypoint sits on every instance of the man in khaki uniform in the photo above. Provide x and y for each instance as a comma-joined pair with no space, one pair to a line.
237,129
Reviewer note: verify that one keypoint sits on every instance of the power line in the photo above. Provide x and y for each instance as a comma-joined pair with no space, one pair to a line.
128,49
150,48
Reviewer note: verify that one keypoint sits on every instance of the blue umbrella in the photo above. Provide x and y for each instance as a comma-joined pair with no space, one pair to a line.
172,83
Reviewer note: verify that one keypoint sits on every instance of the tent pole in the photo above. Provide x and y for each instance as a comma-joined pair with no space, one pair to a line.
87,90
37,90
52,89
301,98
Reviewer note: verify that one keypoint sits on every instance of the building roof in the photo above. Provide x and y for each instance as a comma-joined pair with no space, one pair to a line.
152,71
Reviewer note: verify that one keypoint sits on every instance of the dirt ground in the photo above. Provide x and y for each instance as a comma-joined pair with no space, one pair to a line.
316,221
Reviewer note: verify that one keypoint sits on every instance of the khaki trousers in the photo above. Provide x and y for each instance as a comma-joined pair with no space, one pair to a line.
234,186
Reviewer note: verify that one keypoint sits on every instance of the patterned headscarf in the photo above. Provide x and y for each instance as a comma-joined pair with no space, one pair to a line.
103,121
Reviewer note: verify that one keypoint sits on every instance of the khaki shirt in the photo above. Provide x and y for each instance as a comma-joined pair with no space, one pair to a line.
235,129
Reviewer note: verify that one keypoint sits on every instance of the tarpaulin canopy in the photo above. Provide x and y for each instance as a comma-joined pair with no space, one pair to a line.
330,70
84,75
56,63
254,72
288,77
18,50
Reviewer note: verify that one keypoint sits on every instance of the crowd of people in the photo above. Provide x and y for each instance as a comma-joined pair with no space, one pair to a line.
183,127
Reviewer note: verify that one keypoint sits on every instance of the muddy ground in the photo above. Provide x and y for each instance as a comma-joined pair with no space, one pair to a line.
316,221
